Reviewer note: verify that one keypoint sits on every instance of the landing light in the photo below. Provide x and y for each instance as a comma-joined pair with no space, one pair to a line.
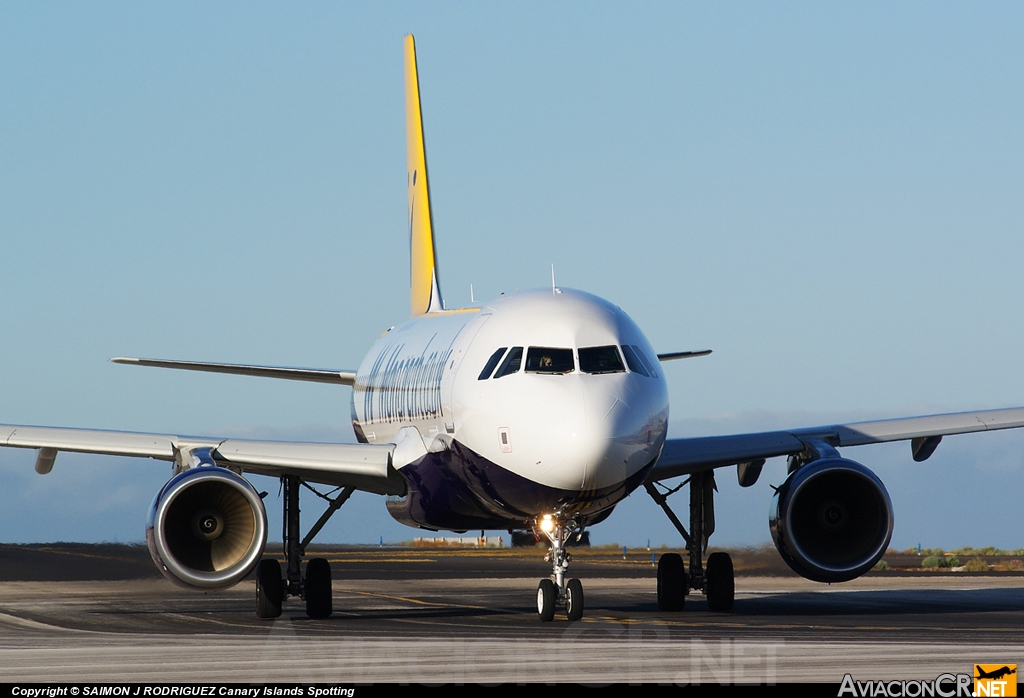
547,524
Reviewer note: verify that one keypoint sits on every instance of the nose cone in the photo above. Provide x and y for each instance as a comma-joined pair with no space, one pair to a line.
554,433
626,424
575,433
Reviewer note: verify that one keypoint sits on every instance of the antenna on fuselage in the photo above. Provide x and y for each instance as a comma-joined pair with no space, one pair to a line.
471,298
554,289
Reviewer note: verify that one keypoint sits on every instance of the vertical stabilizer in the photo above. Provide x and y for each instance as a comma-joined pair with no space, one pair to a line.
425,294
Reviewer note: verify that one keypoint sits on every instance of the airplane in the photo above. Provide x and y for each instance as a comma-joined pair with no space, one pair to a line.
538,411
994,674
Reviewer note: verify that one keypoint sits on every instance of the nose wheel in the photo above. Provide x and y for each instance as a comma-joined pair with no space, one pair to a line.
574,600
557,591
547,597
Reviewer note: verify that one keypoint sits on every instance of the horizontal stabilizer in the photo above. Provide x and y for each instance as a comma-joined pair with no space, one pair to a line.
673,355
314,375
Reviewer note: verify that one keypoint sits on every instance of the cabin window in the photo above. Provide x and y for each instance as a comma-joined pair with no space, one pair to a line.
633,361
491,363
549,360
511,363
601,360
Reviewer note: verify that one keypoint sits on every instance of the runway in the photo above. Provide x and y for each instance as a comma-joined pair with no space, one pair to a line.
451,617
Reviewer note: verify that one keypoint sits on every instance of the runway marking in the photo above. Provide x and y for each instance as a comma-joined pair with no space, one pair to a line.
702,624
194,617
417,601
433,623
379,559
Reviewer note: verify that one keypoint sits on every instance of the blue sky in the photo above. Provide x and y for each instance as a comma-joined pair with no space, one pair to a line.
829,196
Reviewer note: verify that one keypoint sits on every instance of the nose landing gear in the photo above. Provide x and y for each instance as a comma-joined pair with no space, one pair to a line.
557,591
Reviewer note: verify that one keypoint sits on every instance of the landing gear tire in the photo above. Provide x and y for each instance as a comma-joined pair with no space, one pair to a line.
721,585
546,595
671,582
269,589
318,592
574,599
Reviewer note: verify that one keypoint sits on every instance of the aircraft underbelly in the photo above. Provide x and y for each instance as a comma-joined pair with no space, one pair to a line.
457,489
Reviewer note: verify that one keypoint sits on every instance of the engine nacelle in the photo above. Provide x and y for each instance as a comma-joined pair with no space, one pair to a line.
207,528
831,520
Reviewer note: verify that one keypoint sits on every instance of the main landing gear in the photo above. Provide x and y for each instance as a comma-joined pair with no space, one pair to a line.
557,591
717,580
315,587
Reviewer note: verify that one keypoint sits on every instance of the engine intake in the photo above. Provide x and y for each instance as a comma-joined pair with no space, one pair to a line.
207,528
831,520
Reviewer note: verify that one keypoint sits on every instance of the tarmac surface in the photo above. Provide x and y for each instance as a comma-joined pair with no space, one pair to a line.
458,616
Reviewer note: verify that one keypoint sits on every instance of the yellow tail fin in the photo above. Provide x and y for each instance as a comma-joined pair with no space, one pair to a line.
425,294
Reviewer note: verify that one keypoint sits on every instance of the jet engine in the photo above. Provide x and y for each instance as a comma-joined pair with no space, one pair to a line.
207,528
831,520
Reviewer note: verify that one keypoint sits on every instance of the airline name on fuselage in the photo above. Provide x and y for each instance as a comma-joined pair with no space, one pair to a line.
401,387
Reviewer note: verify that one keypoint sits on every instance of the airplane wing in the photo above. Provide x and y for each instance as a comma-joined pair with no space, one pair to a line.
364,466
686,456
314,375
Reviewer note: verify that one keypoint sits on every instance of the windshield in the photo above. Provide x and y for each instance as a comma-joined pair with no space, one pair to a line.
491,363
636,365
549,360
511,363
601,360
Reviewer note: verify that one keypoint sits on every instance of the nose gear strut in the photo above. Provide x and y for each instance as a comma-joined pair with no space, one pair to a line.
557,591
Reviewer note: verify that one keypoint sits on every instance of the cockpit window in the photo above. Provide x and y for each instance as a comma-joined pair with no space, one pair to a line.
647,361
511,363
549,360
601,360
633,361
491,363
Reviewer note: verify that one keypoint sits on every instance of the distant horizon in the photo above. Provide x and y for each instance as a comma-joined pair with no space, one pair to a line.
765,548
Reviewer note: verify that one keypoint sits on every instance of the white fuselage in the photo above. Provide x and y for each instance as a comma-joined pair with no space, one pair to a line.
530,437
